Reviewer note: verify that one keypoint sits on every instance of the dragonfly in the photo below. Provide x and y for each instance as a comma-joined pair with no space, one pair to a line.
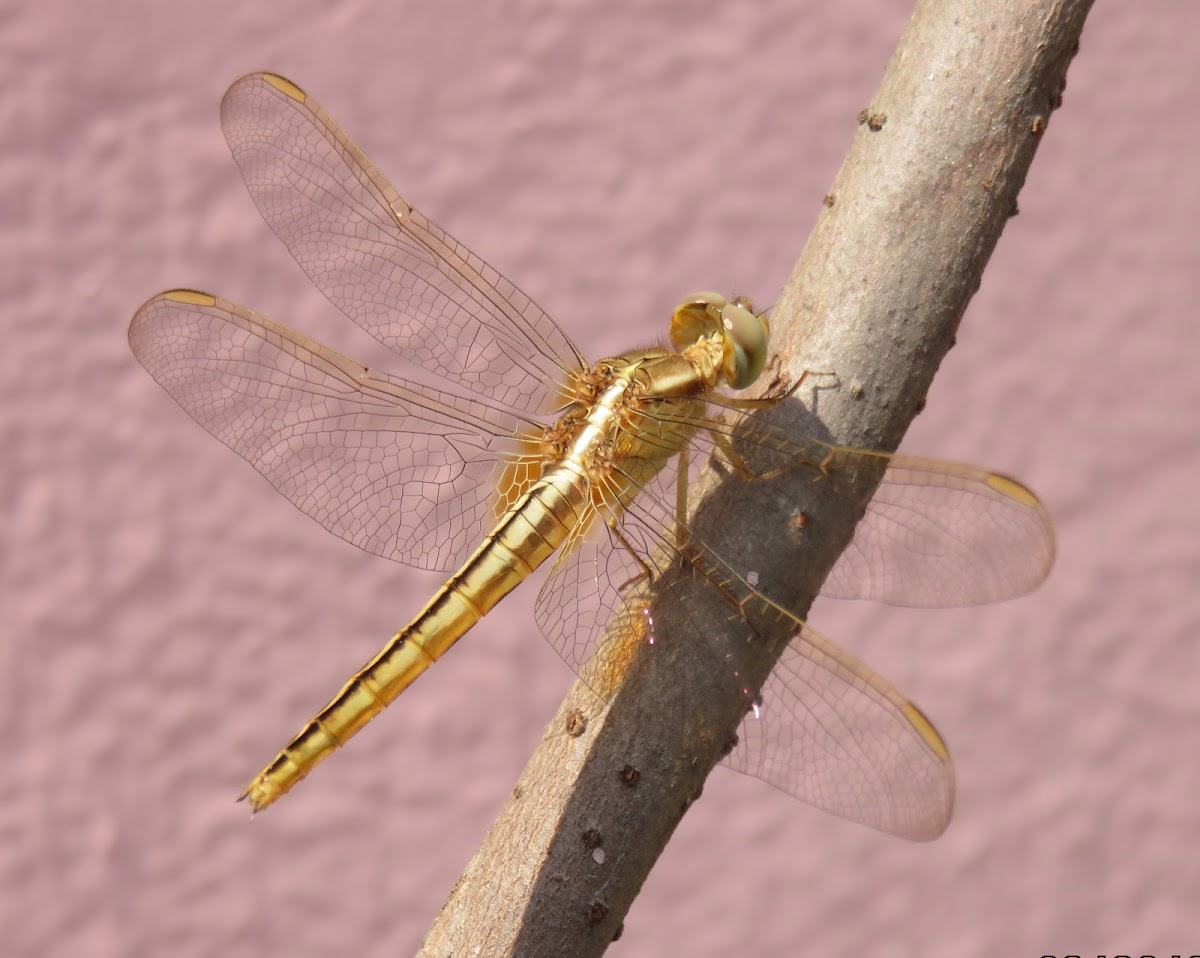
501,448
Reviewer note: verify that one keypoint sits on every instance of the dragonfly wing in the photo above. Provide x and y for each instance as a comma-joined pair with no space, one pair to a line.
399,469
602,571
580,598
941,533
935,533
384,264
828,729
836,734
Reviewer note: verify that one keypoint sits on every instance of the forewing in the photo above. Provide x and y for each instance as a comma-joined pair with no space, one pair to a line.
935,533
942,533
399,469
384,264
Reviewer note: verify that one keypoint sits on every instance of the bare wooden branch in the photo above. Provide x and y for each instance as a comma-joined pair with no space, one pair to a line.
876,296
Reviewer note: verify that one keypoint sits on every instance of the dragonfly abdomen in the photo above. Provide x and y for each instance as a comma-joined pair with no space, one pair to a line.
528,535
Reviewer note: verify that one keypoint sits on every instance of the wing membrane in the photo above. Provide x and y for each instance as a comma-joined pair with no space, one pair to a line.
384,264
940,533
399,469
935,533
835,733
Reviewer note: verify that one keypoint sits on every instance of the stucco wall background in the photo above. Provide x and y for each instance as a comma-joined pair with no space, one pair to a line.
169,620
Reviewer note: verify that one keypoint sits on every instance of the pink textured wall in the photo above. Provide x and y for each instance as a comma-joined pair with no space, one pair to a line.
168,620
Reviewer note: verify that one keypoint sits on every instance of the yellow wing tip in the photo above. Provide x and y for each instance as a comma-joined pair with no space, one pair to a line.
193,297
285,86
1007,486
916,718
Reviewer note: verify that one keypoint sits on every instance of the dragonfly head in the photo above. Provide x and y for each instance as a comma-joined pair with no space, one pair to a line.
742,333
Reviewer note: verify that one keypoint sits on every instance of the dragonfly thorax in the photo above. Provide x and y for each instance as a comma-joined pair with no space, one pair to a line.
628,416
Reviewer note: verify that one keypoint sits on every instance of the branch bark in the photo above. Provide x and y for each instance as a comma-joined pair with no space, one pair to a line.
908,226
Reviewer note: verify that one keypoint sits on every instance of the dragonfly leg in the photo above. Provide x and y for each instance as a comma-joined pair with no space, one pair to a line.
744,471
647,573
732,457
681,497
772,399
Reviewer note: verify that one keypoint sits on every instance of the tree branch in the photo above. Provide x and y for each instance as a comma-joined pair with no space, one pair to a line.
931,178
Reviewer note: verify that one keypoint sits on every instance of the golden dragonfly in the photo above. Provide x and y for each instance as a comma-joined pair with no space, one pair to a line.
523,450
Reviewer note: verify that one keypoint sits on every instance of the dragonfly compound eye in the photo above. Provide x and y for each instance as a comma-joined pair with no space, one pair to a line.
745,343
